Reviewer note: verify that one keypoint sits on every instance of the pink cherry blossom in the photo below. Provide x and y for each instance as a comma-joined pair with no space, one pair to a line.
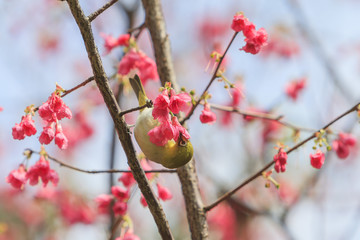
280,161
123,40
168,128
120,193
343,144
17,178
120,208
254,45
179,129
179,102
161,106
127,179
18,132
103,202
239,23
138,61
249,30
41,170
110,42
28,125
207,116
317,159
54,109
294,88
47,134
25,128
161,134
60,138
164,193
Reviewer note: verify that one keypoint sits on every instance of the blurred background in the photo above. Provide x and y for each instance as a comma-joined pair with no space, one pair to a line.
318,41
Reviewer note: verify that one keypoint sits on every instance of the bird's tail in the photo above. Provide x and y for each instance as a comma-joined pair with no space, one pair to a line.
138,89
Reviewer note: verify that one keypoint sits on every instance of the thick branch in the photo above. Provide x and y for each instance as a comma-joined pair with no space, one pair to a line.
154,21
119,122
187,174
259,173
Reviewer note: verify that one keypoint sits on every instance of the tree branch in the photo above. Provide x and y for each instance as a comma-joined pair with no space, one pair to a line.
90,79
155,22
148,104
259,173
94,15
119,122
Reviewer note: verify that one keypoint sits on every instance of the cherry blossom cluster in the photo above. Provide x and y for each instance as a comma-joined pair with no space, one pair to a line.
51,112
294,88
39,171
166,105
26,127
136,61
255,40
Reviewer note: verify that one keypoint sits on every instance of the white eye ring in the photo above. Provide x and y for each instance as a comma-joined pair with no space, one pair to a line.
182,143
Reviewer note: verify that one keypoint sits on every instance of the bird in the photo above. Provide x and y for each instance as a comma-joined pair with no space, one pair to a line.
173,154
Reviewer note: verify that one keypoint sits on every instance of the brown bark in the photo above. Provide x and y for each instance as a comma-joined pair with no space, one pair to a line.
187,174
120,125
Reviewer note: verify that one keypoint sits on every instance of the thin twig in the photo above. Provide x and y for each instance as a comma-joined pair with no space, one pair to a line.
214,76
260,116
114,227
90,79
259,173
94,15
148,104
139,29
66,92
63,164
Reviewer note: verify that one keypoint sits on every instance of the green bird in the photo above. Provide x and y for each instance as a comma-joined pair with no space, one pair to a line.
173,154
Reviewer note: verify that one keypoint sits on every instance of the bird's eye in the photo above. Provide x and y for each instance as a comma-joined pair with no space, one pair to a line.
182,143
